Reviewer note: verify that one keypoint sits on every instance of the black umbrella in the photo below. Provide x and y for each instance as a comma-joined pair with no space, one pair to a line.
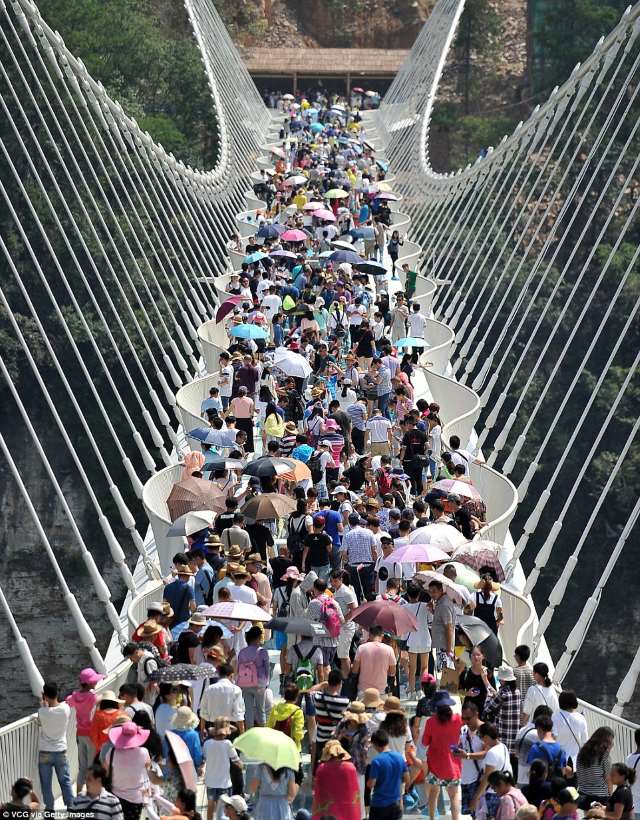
266,467
183,671
297,626
479,634
222,464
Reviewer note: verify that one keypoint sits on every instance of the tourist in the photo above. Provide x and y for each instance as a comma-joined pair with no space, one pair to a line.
102,803
180,595
126,765
253,677
593,767
84,700
496,759
387,779
345,597
359,552
53,721
330,705
219,756
223,699
442,626
146,664
504,709
569,726
335,783
374,662
275,791
185,725
108,710
632,762
323,609
511,798
441,736
471,750
523,670
541,693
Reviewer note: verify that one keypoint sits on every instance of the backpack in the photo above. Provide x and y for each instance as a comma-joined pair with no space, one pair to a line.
315,465
283,608
294,537
285,724
305,675
247,674
208,593
384,481
555,769
330,616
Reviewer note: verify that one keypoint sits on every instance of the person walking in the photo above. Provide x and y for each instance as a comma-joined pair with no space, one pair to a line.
388,779
84,700
53,722
336,791
275,791
253,677
441,736
127,764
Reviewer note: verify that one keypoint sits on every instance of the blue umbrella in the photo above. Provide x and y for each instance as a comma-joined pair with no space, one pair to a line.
365,232
345,256
256,256
412,341
249,332
200,433
383,165
268,232
316,127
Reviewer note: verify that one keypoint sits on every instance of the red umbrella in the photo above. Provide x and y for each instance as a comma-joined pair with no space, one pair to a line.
228,305
390,616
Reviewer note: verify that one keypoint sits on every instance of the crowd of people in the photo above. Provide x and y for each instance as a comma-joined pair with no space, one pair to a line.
295,614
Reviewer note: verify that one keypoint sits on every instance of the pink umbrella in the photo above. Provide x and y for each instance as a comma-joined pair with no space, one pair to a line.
387,195
294,236
278,152
323,213
227,306
313,206
476,557
296,179
237,611
452,590
183,759
358,90
418,554
462,488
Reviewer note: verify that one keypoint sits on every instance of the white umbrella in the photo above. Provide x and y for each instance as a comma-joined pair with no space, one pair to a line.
288,97
452,589
292,364
237,611
191,522
444,536
340,243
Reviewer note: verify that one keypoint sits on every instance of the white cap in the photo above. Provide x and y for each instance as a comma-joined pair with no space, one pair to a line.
340,489
325,443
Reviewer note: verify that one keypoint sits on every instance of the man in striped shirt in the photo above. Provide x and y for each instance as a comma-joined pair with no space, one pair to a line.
357,412
330,706
97,803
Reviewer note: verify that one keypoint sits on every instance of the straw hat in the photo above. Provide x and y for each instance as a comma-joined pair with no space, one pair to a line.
185,718
333,750
149,629
356,712
291,427
198,619
119,720
241,572
221,726
183,569
167,611
371,699
392,705
110,696
235,552
213,538
128,736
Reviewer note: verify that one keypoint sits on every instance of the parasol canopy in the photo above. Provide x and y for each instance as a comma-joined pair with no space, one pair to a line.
192,494
228,305
291,363
418,554
294,235
444,536
336,193
267,506
183,759
191,522
267,467
237,611
479,558
450,587
392,617
324,214
183,671
269,746
248,332
297,626
411,341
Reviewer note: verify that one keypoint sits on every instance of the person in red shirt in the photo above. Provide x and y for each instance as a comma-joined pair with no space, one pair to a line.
441,737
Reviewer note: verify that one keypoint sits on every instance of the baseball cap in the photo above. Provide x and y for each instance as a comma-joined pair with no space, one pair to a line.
339,489
326,443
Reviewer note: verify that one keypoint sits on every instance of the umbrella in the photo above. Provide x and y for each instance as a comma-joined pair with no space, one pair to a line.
266,467
480,635
203,434
221,463
191,522
364,232
294,236
256,256
465,576
324,213
345,256
283,254
390,616
418,554
249,332
183,671
266,506
228,305
343,245
298,472
370,93
412,341
367,266
183,759
383,186
313,206
317,127
295,180
192,494
480,558
291,364
358,90
462,488
278,152
383,165
450,587
387,195
336,193
442,535
237,611
269,746
298,626
288,97
269,232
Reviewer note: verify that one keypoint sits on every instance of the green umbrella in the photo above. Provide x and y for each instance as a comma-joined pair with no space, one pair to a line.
336,193
269,746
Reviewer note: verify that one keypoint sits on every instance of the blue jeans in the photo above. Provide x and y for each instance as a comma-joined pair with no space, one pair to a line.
323,572
383,404
47,762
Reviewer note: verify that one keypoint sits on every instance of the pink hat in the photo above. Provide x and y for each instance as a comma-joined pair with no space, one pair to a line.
332,424
427,677
90,676
292,573
128,736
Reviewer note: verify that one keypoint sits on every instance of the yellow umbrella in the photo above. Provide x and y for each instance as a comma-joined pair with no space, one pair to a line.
336,193
269,746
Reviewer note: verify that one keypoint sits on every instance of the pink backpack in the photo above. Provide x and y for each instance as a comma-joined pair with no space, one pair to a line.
247,674
330,616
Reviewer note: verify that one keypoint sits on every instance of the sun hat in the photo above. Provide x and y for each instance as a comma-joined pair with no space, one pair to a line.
325,443
183,569
156,606
240,572
185,718
167,610
236,802
392,704
372,502
128,736
442,698
221,726
291,427
292,573
356,712
213,538
110,696
427,677
89,676
254,558
505,673
198,619
371,698
235,552
119,720
149,629
334,750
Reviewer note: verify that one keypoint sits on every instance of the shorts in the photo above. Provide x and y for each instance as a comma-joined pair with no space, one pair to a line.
434,780
328,654
308,706
468,793
392,812
379,448
216,794
345,639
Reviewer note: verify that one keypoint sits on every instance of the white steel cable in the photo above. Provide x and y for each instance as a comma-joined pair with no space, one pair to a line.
36,681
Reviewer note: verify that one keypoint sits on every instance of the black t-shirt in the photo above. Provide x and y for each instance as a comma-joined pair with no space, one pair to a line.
356,478
223,521
415,442
623,795
261,538
318,542
364,347
279,566
187,640
537,793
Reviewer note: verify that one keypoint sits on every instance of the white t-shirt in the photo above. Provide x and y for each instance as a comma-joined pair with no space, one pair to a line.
417,324
129,777
461,457
470,742
378,428
271,304
344,597
54,721
435,441
218,755
419,640
243,593
498,758
571,732
226,388
539,696
394,569
326,460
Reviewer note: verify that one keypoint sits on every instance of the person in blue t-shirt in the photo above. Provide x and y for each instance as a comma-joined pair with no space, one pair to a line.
180,594
333,526
388,779
547,748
